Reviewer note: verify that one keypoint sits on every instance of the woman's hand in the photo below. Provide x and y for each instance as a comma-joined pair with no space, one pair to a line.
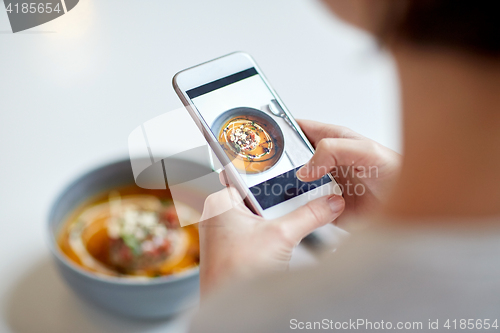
365,170
239,244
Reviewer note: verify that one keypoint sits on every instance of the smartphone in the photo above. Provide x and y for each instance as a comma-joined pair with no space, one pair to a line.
252,133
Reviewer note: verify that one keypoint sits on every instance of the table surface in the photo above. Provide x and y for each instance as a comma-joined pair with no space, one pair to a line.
73,89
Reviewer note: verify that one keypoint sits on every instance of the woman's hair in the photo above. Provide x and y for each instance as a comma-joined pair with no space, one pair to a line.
472,25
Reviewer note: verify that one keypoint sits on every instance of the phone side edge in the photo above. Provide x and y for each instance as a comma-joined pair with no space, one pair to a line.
231,172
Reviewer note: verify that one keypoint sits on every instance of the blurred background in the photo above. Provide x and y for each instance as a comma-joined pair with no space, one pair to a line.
73,89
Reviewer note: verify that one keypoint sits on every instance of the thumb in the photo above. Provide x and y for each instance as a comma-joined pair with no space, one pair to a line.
222,201
311,216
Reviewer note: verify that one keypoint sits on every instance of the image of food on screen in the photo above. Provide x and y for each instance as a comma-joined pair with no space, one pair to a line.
251,139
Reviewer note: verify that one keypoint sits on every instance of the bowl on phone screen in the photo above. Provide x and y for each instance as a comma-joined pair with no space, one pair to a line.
118,246
253,141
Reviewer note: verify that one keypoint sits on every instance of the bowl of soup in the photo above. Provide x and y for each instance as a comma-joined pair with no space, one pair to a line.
122,248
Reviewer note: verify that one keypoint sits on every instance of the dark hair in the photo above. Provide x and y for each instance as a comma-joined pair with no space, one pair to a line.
472,25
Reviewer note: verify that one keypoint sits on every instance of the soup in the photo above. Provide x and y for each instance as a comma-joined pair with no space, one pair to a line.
131,232
248,143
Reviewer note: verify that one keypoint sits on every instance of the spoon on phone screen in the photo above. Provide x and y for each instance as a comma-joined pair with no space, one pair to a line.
276,109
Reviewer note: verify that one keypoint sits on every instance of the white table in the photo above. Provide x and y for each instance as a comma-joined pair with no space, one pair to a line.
72,90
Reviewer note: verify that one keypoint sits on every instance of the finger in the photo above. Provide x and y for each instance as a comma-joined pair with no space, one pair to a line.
224,180
223,201
315,131
311,216
331,153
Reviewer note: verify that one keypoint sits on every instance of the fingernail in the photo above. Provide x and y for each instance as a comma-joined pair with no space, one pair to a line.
336,203
303,172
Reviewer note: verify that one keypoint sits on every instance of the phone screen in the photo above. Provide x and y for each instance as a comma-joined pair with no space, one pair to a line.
256,135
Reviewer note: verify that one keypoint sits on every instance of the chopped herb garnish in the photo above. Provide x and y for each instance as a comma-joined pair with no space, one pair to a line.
132,243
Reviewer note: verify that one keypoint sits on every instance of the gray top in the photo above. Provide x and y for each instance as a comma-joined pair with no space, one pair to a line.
406,277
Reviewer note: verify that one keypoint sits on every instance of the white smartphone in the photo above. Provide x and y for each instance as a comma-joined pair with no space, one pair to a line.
252,133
